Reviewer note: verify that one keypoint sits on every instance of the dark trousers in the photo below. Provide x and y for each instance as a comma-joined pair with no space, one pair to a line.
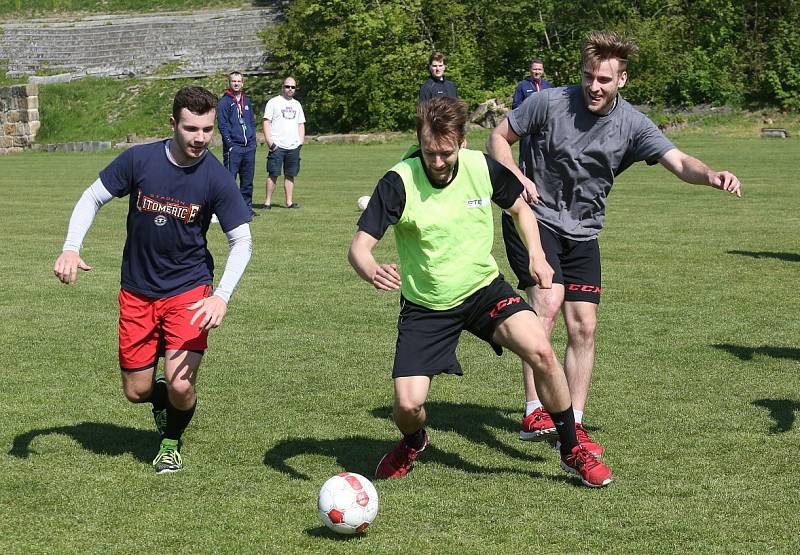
241,162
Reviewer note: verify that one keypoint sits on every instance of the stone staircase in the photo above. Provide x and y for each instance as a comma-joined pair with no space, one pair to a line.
165,44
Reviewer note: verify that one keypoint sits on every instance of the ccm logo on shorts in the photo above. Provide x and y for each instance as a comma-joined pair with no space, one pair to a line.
502,303
584,288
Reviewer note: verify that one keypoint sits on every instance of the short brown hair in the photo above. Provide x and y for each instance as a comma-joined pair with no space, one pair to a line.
604,45
195,99
436,57
444,117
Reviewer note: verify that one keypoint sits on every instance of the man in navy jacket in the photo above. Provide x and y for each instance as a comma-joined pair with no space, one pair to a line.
237,125
525,88
532,84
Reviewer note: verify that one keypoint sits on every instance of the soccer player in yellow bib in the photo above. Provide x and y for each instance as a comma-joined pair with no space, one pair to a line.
439,200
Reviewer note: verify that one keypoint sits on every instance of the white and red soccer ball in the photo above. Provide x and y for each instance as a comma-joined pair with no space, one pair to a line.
348,503
363,202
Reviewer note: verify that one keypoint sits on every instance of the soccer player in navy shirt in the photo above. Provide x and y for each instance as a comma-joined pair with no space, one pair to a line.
166,302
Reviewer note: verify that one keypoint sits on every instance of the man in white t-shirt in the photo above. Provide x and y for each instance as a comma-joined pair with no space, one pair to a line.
284,133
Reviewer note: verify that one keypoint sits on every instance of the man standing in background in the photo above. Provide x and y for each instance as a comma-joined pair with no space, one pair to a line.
284,133
532,84
436,85
237,125
525,88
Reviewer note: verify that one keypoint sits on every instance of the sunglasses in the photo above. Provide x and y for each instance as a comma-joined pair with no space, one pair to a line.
289,87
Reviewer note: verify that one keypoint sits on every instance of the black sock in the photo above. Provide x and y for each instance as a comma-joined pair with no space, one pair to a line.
565,426
158,396
415,440
177,420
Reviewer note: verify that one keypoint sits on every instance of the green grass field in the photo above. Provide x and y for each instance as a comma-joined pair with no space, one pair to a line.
695,394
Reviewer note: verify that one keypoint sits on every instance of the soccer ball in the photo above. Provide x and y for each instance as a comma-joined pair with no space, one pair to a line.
348,503
363,202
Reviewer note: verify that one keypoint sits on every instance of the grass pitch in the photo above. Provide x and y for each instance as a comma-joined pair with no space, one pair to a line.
695,394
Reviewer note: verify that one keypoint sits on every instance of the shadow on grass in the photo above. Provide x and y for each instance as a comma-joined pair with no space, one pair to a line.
781,411
360,454
98,437
785,256
746,353
474,423
323,532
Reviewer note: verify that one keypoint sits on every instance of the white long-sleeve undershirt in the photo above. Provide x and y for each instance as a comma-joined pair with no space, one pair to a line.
240,241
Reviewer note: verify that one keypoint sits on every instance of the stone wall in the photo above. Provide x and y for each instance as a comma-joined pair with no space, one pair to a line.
19,117
196,43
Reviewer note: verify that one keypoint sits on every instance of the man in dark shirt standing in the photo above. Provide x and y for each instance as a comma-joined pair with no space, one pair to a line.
436,85
237,126
534,83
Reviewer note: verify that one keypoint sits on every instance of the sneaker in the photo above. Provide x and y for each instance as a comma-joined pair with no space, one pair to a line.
254,214
266,207
168,458
583,438
214,219
293,205
593,472
399,461
537,425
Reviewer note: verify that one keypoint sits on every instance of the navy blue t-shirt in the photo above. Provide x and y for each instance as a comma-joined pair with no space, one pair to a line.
169,212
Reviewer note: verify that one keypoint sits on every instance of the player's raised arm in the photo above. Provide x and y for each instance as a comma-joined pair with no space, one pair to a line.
528,229
382,276
498,146
69,261
210,312
692,170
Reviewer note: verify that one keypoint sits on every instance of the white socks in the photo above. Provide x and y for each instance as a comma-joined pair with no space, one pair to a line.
531,406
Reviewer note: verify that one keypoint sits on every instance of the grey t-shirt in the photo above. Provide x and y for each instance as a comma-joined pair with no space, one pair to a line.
574,155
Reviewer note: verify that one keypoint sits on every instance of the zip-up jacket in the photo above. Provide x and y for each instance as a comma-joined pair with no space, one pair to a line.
236,121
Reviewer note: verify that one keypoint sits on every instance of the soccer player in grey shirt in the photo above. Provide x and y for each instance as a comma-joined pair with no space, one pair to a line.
581,138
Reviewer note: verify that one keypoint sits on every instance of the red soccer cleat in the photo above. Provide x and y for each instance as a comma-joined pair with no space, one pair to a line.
537,425
399,461
593,472
583,438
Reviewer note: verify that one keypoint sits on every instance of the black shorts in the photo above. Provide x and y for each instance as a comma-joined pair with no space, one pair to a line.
427,339
576,263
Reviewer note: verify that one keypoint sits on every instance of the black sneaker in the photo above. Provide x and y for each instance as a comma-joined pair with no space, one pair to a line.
168,458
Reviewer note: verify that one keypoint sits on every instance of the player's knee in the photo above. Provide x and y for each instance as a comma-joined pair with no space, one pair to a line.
136,394
407,408
548,310
181,389
542,358
582,331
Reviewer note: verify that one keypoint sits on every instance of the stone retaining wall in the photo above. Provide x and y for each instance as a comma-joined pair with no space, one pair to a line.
19,117
114,45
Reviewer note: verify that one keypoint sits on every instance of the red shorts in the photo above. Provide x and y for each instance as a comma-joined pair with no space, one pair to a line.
147,327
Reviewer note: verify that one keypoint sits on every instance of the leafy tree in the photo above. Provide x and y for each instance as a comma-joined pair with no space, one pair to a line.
357,61
360,62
